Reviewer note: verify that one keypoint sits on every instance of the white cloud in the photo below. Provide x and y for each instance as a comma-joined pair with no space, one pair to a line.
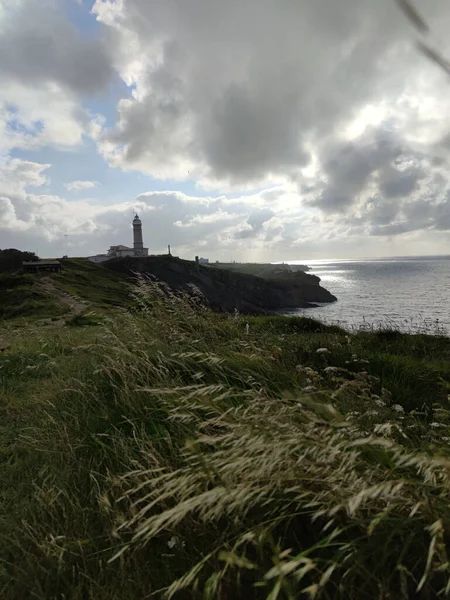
46,69
76,186
186,222
8,217
272,224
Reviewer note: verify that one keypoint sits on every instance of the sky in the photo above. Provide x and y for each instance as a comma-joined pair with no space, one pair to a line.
259,130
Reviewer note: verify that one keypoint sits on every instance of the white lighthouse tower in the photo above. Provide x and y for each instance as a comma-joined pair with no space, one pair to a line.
121,251
138,242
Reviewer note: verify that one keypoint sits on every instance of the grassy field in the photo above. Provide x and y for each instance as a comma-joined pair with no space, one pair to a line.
20,298
26,298
95,283
170,451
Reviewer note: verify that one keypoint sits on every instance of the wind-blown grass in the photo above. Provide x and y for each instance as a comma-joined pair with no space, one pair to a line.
20,298
174,452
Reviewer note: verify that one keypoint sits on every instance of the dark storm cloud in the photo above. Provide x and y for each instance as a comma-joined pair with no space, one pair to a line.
427,209
250,136
349,166
381,212
38,45
242,89
399,184
441,215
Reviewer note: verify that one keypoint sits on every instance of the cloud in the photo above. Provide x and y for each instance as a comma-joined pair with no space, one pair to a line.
378,162
44,215
18,174
329,99
186,222
245,226
38,45
309,124
8,217
47,69
255,222
255,99
76,186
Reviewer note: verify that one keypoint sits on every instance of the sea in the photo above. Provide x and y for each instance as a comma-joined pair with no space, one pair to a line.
410,294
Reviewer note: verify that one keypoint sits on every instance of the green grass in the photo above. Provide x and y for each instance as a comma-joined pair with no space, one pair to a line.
82,320
94,283
19,298
23,300
171,451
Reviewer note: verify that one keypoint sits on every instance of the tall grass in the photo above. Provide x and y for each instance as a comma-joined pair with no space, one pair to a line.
173,453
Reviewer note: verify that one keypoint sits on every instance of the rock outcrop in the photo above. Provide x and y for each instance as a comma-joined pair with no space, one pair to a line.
225,290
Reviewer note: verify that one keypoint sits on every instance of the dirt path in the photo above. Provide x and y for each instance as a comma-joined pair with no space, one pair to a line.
76,306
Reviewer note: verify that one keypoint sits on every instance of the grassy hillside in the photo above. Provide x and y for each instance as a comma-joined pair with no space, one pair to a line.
94,283
176,452
46,296
20,297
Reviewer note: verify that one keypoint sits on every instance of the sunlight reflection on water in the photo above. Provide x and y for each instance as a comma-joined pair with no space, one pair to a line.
410,294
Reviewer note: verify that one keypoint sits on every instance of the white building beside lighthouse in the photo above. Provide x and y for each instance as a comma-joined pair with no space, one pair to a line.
121,251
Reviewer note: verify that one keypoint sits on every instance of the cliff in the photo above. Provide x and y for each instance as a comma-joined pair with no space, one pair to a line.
225,290
264,270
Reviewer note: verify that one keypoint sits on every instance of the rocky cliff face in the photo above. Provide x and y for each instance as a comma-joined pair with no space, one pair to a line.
225,290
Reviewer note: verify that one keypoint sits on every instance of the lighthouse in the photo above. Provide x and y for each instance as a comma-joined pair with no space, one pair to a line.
121,251
138,242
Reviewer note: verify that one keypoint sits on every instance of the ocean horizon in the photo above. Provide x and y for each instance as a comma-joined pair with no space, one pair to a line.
408,293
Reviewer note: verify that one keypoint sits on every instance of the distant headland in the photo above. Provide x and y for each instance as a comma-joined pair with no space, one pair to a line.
252,288
226,288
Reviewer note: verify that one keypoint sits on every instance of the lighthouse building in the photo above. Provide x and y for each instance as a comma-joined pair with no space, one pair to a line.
121,251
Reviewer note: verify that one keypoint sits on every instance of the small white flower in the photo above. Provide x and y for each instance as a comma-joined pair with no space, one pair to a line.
380,402
309,388
330,370
247,328
435,425
305,370
322,351
398,408
172,542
